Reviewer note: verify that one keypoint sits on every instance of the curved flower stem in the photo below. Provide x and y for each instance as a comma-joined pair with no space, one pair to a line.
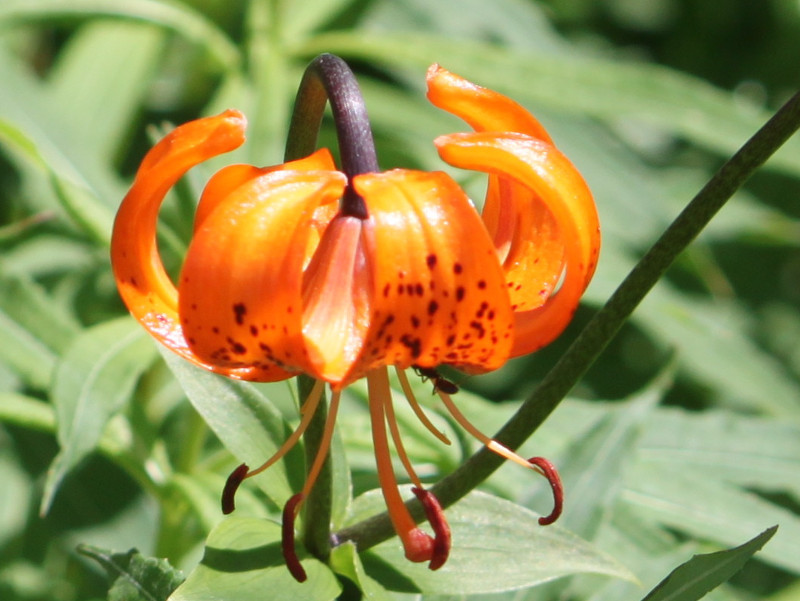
606,322
328,78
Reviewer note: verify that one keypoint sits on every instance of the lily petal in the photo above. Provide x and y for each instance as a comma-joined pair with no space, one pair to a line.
549,175
141,279
483,109
439,292
514,216
241,301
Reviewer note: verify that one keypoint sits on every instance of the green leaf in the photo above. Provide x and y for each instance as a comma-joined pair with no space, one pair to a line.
94,379
100,80
696,577
725,446
72,190
301,18
192,25
246,422
709,509
135,577
26,412
346,561
243,561
25,353
30,307
497,546
594,464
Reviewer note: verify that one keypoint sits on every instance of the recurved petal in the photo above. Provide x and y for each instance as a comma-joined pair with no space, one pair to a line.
555,182
439,292
228,178
240,288
143,284
483,109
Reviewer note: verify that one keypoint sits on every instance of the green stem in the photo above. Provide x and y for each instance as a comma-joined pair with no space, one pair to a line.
318,505
605,324
328,79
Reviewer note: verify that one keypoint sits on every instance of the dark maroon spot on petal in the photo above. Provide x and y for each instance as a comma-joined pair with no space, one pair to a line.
413,344
431,261
237,347
433,306
386,290
254,330
457,268
460,293
419,289
239,310
482,284
415,321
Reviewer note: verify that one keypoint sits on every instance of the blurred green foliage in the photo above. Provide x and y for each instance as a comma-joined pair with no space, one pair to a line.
683,438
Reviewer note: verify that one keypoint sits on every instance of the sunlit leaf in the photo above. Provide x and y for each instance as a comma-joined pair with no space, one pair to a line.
243,561
94,379
497,546
702,573
246,423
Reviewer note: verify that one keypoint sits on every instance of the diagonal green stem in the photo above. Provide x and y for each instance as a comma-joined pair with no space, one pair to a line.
606,322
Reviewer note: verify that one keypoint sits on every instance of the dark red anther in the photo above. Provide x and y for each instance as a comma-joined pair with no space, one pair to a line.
550,472
231,486
287,537
441,529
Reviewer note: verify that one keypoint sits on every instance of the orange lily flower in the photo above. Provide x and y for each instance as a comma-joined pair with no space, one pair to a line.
278,280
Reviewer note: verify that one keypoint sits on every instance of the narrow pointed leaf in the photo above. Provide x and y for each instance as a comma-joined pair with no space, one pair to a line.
702,573
94,379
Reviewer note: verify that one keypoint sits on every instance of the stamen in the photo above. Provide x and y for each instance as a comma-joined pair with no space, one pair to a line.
551,473
307,412
412,401
287,537
441,529
324,444
418,545
231,486
391,420
292,507
539,464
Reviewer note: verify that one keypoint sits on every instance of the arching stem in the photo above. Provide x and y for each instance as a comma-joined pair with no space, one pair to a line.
328,79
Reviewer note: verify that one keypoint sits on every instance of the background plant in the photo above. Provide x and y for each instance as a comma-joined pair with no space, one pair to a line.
683,438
